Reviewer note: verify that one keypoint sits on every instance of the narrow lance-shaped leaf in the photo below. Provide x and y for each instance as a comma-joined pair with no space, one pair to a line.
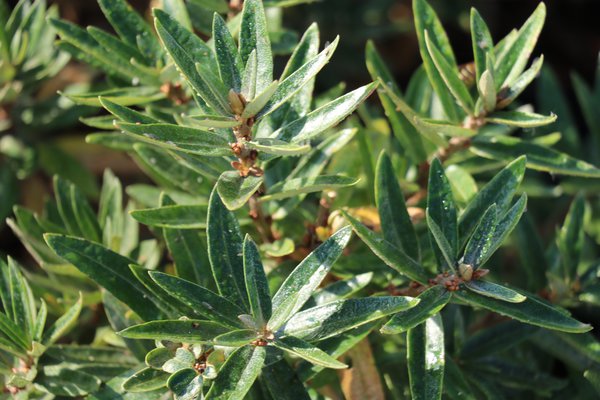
296,80
186,50
175,137
439,239
492,290
510,94
499,190
300,284
441,207
403,129
228,57
539,157
256,283
425,358
307,351
238,374
391,255
520,119
332,319
130,26
203,301
449,73
63,324
479,245
505,226
173,216
396,225
324,117
109,269
254,36
225,249
531,311
296,186
427,20
431,302
483,44
511,63
571,237
180,330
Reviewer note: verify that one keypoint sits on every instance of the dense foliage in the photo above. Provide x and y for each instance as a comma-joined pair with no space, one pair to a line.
289,248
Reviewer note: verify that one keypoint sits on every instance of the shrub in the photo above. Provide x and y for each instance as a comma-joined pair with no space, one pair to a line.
252,285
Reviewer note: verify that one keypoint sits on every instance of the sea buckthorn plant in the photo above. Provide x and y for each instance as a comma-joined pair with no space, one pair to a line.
290,249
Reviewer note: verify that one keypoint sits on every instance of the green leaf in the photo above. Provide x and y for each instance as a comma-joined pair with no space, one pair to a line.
520,119
283,383
126,114
130,26
510,94
63,380
436,127
427,20
125,96
177,8
483,44
425,358
403,129
260,100
511,63
228,58
180,330
186,384
225,249
332,319
487,91
342,289
17,298
237,338
297,79
505,226
479,245
254,37
499,190
277,147
396,225
256,283
62,325
392,256
306,277
449,73
495,291
203,301
296,186
187,250
238,374
593,377
305,350
65,206
173,216
109,269
175,137
441,209
498,338
431,302
463,185
316,122
249,77
187,50
571,238
146,380
531,311
445,248
236,190
539,157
